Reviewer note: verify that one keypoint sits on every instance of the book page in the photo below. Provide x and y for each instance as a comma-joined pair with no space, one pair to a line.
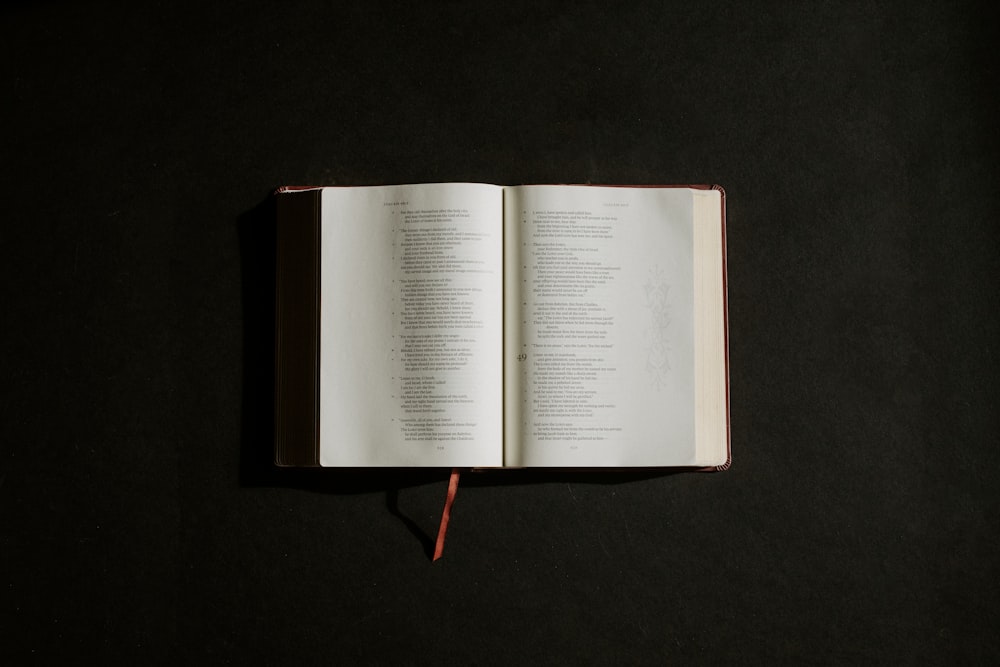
411,326
600,361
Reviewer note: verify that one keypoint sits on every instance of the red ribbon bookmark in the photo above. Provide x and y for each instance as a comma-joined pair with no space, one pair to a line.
446,513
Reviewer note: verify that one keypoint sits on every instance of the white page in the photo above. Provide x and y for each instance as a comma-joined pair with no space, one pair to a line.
606,303
411,326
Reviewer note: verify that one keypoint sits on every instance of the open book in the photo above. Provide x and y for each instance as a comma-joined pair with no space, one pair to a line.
473,325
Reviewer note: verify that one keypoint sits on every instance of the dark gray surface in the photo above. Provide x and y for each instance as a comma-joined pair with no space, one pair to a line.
859,522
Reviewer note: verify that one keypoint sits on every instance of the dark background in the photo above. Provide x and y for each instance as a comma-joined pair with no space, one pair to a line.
139,519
